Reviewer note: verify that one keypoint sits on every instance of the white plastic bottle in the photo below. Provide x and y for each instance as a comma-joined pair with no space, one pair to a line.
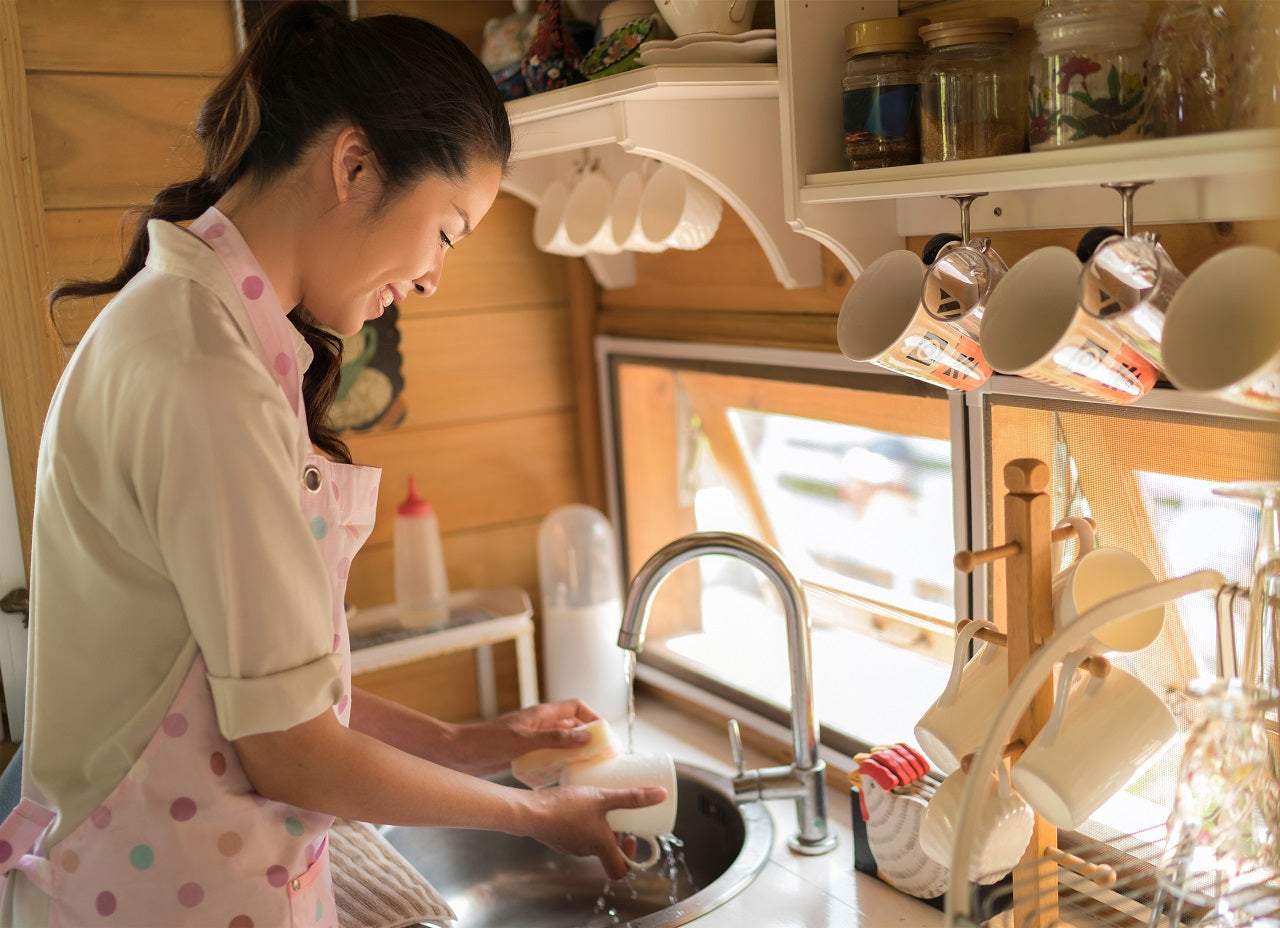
422,586
582,611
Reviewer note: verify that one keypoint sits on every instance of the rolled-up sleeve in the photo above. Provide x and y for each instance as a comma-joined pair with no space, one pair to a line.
217,470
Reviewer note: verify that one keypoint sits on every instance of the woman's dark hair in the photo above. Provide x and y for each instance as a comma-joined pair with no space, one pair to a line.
425,101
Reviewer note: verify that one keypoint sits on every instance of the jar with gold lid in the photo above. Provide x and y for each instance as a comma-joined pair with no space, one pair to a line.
881,89
972,90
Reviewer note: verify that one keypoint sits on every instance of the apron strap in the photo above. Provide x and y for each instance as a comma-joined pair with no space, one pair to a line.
20,833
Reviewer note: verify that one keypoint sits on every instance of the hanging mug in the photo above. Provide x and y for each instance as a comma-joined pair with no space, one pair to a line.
883,321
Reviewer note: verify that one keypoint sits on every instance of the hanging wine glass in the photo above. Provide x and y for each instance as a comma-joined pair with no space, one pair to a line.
1222,852
1260,660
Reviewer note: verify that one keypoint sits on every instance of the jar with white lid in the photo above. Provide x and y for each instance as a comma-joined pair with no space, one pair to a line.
1087,73
881,90
972,90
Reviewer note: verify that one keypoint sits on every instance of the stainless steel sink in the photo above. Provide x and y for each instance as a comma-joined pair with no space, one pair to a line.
494,880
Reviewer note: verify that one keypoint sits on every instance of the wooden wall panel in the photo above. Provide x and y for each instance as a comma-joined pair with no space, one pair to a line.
729,275
137,37
484,365
111,139
486,558
446,686
476,474
465,20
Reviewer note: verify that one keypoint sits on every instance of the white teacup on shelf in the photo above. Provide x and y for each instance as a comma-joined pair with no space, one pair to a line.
624,215
686,17
679,211
549,232
587,224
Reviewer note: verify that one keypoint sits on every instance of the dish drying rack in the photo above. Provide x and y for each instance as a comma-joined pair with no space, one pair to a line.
1109,882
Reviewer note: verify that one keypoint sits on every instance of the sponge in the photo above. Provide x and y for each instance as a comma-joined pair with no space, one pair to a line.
543,767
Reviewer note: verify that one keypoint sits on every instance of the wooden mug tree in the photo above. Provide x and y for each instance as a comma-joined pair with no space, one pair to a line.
1027,553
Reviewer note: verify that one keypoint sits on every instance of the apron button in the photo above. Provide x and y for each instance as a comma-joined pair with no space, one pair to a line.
296,885
311,478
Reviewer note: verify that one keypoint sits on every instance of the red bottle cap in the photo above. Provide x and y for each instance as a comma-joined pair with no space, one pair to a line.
414,505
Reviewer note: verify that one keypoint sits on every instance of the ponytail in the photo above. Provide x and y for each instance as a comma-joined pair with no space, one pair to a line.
424,100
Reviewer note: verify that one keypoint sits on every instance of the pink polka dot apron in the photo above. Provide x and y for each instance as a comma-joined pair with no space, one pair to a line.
184,839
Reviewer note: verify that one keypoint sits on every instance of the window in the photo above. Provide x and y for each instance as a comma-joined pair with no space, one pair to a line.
867,484
849,477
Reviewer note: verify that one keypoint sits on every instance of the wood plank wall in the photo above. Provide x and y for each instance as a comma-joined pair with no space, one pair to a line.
492,430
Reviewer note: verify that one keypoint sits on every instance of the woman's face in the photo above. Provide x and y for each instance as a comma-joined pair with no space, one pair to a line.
358,258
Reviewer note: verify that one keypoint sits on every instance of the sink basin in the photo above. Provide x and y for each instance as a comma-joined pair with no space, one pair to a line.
494,880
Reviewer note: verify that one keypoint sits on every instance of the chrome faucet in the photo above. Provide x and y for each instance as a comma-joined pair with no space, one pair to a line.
802,780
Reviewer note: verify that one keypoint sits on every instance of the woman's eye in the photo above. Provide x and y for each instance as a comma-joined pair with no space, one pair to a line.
444,240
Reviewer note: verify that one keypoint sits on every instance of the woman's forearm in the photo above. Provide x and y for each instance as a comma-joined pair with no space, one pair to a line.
401,727
324,766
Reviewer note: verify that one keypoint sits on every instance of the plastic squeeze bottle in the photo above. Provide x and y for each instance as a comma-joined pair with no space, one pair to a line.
422,586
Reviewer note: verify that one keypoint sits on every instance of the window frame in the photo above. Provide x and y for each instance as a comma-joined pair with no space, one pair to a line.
973,498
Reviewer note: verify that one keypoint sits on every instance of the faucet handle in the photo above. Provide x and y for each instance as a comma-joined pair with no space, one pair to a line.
735,747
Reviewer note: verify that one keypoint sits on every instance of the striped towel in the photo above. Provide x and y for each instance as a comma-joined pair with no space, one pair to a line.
377,888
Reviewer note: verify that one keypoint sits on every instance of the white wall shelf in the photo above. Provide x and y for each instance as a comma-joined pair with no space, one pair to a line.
719,123
860,215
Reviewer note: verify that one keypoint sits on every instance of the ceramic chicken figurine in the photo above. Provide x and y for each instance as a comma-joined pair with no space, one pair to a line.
893,792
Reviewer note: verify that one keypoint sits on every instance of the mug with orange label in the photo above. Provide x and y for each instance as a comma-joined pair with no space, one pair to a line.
883,321
1033,326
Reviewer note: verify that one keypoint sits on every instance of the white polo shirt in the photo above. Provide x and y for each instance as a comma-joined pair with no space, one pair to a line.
167,522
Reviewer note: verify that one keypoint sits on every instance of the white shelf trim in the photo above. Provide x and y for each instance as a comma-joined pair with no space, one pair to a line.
718,123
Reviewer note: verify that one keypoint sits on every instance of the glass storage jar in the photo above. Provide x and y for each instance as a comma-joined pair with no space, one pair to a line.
1087,73
882,92
1191,69
972,90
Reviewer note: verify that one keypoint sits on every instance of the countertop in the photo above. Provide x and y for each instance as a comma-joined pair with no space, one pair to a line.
792,891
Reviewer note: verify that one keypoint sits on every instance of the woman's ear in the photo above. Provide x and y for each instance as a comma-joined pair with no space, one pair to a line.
352,163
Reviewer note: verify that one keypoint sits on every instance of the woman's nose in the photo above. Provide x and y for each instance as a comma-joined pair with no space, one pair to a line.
427,283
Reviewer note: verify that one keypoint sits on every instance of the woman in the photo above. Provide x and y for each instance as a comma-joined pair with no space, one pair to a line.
188,741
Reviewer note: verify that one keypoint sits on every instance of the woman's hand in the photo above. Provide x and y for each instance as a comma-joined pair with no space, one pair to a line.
491,745
570,819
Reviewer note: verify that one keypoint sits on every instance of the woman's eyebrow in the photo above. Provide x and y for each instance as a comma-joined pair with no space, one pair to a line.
466,221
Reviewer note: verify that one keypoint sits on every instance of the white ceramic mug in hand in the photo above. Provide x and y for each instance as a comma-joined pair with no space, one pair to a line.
956,724
549,233
1003,827
678,210
1104,731
587,223
625,772
1222,331
624,215
883,321
686,17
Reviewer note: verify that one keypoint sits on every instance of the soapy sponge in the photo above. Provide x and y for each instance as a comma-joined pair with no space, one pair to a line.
543,767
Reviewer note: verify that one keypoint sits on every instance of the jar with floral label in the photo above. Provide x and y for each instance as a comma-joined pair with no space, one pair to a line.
971,90
882,92
1087,73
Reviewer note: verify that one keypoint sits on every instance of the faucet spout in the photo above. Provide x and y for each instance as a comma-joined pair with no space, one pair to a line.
803,780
